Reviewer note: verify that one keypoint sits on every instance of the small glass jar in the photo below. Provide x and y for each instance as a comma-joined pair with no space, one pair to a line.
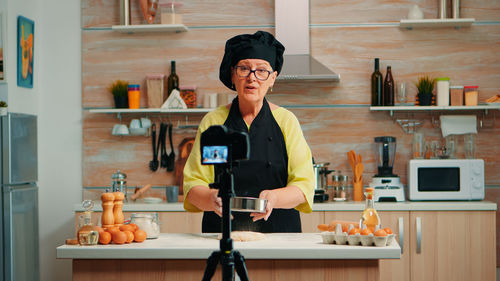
188,95
471,94
171,13
147,222
457,95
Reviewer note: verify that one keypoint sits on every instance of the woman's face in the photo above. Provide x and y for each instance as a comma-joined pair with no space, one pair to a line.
250,88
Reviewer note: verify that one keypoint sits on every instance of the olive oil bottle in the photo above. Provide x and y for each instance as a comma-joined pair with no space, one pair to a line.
377,86
173,80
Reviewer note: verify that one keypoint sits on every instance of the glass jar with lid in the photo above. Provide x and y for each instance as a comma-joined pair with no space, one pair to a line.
171,13
148,222
471,94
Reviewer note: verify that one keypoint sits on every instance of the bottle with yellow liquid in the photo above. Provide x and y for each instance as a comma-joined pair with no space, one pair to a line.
370,216
87,234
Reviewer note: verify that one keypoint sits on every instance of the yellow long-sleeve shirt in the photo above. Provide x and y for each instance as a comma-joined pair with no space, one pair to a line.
300,168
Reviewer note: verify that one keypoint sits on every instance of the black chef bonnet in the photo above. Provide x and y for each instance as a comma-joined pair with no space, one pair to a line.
260,45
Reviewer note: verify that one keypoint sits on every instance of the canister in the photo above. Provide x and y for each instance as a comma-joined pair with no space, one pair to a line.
470,94
154,84
456,95
171,13
188,94
134,96
443,91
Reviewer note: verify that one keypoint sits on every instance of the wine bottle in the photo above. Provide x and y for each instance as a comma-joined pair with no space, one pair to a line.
173,79
377,86
388,88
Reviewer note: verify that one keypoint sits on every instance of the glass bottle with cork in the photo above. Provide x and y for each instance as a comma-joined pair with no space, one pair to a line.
88,234
370,216
172,80
377,85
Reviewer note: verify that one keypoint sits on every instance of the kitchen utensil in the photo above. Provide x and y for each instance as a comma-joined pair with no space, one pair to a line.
139,192
118,183
248,204
153,164
161,143
171,156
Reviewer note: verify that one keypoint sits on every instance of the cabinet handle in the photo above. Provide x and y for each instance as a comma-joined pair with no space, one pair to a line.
401,233
418,221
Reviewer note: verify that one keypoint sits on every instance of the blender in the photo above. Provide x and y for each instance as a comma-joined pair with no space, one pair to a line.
387,186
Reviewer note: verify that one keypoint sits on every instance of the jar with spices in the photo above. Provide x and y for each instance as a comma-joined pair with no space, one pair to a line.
171,13
147,222
456,95
188,94
332,190
340,188
471,94
443,91
134,96
154,86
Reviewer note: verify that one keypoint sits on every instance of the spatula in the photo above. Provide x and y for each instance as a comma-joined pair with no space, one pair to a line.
153,164
171,156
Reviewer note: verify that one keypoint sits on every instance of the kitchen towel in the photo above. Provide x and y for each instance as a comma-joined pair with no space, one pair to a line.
458,124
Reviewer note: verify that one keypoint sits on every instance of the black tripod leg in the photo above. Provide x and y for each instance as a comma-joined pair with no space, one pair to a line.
212,262
239,263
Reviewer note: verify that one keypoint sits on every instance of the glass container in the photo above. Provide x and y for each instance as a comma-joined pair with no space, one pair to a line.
370,216
87,234
171,13
456,95
470,94
385,153
148,222
443,91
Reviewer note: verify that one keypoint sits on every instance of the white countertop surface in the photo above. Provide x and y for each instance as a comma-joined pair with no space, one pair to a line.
200,246
330,206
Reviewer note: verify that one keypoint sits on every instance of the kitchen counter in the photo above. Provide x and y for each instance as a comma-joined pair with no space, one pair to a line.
279,257
331,206
199,246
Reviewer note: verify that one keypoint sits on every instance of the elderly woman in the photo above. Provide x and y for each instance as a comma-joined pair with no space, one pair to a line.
280,166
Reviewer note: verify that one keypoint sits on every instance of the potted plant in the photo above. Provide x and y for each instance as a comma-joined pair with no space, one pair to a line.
119,89
425,85
3,108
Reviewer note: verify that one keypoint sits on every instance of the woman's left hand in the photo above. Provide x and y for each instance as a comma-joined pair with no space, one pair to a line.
271,198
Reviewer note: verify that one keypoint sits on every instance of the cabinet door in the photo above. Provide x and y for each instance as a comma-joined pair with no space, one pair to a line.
310,221
397,269
452,245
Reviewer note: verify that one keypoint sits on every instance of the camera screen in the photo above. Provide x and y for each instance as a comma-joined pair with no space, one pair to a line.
214,154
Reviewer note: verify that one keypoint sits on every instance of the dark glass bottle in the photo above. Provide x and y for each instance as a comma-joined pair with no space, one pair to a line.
173,79
388,88
377,86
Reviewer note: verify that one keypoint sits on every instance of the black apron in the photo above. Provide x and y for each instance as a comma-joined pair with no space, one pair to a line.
266,169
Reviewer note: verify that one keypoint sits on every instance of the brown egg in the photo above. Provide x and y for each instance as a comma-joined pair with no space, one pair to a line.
380,232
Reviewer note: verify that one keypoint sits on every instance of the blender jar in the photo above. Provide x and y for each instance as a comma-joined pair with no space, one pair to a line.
171,13
385,152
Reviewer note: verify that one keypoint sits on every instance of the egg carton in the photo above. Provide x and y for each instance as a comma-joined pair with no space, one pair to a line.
343,238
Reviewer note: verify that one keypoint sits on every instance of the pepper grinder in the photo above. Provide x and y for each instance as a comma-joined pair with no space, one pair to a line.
118,208
107,218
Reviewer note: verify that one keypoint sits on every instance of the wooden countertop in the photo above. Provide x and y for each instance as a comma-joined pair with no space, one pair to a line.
330,206
200,246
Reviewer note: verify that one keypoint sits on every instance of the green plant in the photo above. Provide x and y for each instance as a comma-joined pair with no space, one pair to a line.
3,104
119,88
425,85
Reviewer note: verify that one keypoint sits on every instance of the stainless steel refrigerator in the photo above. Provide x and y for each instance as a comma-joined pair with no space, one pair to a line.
19,202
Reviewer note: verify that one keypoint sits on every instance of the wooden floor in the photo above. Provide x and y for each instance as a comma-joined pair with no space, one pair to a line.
187,270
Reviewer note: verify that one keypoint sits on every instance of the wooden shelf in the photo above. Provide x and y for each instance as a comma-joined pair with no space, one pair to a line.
466,22
150,28
150,110
434,108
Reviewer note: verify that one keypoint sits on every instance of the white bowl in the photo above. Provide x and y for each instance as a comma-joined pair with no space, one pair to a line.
152,200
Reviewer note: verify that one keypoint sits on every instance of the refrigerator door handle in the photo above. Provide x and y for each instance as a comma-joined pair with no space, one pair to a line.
23,187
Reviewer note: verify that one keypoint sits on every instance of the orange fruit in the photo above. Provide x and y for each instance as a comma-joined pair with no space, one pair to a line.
134,226
113,229
104,237
366,231
130,236
323,227
119,237
380,232
127,227
354,231
140,235
388,230
345,228
99,229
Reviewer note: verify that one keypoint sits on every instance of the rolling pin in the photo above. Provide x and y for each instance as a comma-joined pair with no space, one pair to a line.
139,192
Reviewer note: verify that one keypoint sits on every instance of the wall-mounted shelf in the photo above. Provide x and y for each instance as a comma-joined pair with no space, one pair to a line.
120,111
150,28
410,124
466,22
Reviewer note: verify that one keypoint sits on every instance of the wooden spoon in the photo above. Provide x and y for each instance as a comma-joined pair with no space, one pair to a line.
359,171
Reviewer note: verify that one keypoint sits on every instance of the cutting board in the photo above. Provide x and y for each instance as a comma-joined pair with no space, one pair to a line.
185,148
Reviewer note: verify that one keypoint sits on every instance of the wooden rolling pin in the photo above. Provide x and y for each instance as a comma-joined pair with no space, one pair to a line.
139,192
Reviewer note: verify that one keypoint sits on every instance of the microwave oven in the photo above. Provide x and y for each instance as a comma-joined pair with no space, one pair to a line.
446,179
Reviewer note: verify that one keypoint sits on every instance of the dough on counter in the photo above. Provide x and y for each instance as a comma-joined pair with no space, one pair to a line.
244,236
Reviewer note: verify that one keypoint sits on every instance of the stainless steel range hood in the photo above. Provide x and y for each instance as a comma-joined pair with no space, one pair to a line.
292,30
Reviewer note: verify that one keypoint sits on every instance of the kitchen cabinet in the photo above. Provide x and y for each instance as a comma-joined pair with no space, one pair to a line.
437,245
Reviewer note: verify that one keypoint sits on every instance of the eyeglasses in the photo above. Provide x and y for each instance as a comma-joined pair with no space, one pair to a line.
245,71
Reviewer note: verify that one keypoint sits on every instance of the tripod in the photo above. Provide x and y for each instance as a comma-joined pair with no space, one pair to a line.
228,258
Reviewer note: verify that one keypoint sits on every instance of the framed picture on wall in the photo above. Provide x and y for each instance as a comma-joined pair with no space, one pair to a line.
3,43
25,51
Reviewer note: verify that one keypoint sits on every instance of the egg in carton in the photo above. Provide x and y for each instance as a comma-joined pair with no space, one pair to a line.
354,237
